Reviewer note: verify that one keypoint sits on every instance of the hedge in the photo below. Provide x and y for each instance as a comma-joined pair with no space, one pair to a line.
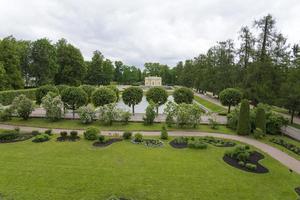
7,97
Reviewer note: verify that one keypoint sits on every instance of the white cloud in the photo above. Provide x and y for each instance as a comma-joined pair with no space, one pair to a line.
138,31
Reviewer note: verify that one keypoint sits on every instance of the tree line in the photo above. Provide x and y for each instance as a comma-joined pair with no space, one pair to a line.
262,65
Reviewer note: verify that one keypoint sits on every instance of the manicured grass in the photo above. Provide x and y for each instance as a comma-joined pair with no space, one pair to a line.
132,126
267,138
77,170
280,110
212,106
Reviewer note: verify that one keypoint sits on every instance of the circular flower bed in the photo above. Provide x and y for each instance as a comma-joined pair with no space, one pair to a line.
9,136
179,142
106,142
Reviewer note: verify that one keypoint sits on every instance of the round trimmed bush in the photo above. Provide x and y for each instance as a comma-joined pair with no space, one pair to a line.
101,138
138,138
183,95
103,96
164,133
63,134
43,91
132,96
157,95
230,97
48,132
91,133
35,133
74,134
127,135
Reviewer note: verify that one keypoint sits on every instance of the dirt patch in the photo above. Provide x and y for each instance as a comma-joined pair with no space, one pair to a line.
178,146
107,143
253,159
68,139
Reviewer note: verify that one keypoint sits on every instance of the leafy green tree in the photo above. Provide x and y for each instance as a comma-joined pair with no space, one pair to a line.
74,98
260,120
170,112
116,90
71,65
10,63
43,58
118,71
243,127
230,97
183,95
3,84
89,89
23,106
103,96
158,96
43,90
132,96
53,105
290,92
150,114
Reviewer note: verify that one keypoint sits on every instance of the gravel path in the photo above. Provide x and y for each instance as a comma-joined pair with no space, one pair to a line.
277,154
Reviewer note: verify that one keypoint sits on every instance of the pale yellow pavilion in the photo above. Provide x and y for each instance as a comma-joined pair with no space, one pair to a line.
153,81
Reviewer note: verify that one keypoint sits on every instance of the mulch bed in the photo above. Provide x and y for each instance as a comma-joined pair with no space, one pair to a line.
107,143
254,158
178,146
297,189
222,145
21,138
68,139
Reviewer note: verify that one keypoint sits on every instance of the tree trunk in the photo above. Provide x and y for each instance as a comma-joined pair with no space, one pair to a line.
132,109
156,110
292,116
229,109
73,112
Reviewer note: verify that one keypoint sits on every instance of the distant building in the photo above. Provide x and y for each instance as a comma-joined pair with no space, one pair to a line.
152,81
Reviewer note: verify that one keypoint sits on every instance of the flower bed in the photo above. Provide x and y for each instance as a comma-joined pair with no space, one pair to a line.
106,142
242,157
287,145
9,136
153,143
218,142
179,142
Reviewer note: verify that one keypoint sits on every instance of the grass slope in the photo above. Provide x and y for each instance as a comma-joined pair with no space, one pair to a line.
132,126
210,105
77,170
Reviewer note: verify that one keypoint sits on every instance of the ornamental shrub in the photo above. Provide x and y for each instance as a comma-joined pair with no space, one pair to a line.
103,96
63,134
127,135
183,95
41,138
7,96
91,133
150,114
53,106
23,106
251,166
196,144
5,113
260,121
170,111
258,133
164,133
101,138
116,90
87,114
243,127
48,132
35,133
89,89
138,138
125,116
73,134
43,91
109,113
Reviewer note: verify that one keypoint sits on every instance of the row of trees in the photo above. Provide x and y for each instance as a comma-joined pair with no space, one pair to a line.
264,67
40,62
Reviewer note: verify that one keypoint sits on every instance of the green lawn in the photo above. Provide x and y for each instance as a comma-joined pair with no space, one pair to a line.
295,125
132,126
212,106
77,170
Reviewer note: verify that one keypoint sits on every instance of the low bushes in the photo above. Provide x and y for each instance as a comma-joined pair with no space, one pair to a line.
65,137
138,138
91,133
164,133
218,142
240,153
41,138
196,144
9,135
153,143
287,145
7,97
127,135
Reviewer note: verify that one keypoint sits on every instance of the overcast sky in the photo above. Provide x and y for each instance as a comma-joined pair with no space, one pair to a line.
139,31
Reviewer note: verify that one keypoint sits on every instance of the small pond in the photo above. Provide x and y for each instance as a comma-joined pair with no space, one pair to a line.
141,107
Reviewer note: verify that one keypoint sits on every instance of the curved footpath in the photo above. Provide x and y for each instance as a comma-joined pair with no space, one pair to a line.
277,154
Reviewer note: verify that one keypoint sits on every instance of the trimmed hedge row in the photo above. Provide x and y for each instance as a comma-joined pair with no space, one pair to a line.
7,97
